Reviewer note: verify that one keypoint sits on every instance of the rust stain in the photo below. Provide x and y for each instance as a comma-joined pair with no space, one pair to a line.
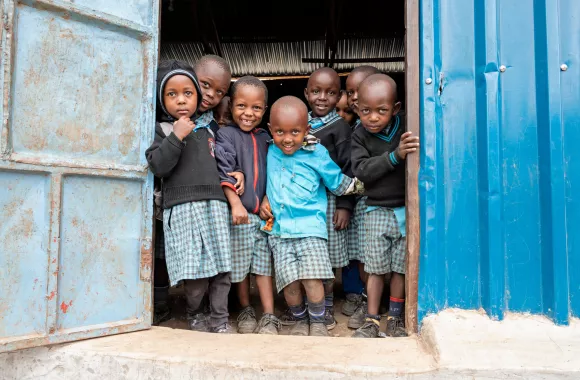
64,306
146,260
51,296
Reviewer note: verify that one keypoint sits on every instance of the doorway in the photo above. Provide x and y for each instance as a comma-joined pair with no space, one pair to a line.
282,43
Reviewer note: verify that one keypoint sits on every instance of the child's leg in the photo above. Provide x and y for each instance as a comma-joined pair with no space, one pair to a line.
364,276
293,297
266,290
243,290
374,291
316,308
219,287
194,293
397,298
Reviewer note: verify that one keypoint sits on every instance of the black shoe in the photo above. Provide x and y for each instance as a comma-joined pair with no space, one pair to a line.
357,320
368,330
396,327
198,322
287,319
351,304
329,320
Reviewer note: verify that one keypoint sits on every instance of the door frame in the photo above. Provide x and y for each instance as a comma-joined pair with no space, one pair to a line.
413,109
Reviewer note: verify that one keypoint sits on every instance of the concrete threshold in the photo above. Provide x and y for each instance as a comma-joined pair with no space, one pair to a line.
453,345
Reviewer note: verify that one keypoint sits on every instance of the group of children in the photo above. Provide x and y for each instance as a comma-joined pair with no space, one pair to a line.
289,204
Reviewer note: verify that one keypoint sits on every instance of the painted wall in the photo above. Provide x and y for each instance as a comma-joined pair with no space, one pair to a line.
500,166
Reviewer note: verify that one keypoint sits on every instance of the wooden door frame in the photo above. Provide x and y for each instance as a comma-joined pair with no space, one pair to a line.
413,108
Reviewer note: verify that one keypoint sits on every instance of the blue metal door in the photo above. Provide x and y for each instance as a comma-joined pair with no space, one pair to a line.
500,166
77,87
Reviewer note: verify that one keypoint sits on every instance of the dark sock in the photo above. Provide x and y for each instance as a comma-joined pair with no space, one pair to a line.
376,319
299,312
316,312
396,307
329,300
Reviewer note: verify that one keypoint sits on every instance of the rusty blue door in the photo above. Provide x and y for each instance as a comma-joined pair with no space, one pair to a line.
77,87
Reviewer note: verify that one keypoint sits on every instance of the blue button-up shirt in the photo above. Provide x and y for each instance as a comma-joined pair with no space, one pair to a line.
296,190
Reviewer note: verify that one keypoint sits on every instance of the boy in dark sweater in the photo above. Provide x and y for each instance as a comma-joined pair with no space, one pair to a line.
243,145
323,93
214,76
356,304
378,153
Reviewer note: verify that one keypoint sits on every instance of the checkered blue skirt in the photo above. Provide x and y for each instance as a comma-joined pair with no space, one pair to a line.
337,240
250,252
356,237
197,240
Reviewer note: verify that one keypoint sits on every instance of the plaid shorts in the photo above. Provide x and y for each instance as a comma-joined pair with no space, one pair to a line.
385,246
356,237
159,240
337,242
250,253
197,240
299,259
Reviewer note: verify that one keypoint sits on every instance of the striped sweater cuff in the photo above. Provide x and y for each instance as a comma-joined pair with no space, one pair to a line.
393,158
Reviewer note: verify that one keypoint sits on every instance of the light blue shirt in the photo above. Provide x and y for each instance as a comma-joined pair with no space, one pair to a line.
296,189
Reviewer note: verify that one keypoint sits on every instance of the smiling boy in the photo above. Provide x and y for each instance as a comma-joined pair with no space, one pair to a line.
298,170
323,93
214,75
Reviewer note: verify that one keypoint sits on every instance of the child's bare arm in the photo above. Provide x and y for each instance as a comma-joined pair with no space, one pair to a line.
239,212
266,209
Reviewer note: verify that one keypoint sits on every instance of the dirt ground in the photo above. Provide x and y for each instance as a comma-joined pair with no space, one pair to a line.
179,320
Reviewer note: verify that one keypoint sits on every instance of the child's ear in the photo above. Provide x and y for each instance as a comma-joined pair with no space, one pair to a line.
306,93
269,127
308,129
396,108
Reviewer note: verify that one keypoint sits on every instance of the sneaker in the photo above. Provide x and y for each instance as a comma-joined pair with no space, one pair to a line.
329,320
318,329
357,320
396,327
287,319
223,329
161,313
301,328
247,321
198,322
350,305
268,325
368,330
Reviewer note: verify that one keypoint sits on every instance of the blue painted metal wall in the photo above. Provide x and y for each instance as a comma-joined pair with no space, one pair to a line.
500,166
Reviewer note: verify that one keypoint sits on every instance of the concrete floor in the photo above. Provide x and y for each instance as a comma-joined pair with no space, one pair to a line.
455,344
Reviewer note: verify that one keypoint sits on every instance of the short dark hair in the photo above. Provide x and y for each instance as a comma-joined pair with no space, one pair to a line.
213,59
367,69
249,80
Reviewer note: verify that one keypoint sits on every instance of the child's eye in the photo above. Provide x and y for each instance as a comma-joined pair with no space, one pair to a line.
188,93
331,93
257,108
220,92
279,132
295,132
241,106
171,93
349,93
383,111
365,111
315,92
205,84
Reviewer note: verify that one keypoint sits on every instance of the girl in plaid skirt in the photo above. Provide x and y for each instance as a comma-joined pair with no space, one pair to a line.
195,216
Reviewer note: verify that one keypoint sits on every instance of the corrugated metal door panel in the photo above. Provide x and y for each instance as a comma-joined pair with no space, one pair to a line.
569,21
75,193
497,180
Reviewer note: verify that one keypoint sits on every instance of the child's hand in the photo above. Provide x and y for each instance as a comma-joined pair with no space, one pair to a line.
240,180
341,219
183,127
266,210
408,144
239,215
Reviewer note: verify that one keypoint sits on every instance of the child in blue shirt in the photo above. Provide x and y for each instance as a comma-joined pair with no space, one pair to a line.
298,175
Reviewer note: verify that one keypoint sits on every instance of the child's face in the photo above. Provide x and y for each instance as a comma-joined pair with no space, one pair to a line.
248,106
214,83
377,108
222,113
344,110
288,130
352,83
180,96
322,93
